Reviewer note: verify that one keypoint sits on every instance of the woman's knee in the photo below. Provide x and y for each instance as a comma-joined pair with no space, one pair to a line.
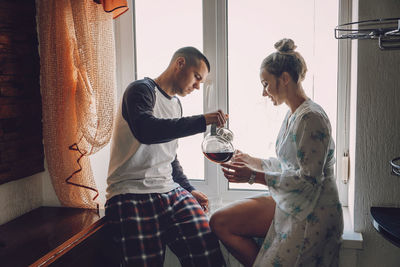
226,219
218,221
234,219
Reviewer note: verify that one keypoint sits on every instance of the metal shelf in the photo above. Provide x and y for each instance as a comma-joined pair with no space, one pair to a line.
395,166
386,31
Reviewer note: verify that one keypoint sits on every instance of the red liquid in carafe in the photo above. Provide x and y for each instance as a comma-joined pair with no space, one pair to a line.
219,156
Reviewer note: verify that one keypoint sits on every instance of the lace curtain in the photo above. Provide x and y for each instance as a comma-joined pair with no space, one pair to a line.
77,78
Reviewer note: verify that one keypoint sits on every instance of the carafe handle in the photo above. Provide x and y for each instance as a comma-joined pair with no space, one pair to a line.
213,129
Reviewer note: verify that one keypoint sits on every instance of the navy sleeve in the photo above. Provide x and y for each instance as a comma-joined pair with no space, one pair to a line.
137,109
179,177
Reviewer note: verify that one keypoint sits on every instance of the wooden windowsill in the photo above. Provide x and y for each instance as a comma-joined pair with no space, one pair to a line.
42,235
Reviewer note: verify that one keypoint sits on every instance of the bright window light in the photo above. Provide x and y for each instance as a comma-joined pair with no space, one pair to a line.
161,28
253,28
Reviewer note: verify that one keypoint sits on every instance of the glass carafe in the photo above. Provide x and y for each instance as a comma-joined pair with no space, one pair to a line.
217,145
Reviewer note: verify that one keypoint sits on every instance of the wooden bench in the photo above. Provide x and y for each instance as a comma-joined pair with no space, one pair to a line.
57,236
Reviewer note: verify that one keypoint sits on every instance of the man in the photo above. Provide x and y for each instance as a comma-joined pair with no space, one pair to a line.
150,202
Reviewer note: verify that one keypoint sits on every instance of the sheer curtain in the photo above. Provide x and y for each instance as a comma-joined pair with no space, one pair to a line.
77,78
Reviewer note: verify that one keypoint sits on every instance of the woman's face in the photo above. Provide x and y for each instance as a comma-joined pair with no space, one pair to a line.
271,87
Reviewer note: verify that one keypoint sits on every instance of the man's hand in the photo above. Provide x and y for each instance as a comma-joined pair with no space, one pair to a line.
219,118
201,198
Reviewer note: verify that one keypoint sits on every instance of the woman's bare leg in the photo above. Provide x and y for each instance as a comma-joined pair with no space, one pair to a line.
237,224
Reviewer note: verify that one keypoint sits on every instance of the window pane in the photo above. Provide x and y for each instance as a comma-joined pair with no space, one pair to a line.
158,35
253,29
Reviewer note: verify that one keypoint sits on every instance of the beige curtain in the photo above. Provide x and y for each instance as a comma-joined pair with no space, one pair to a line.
77,78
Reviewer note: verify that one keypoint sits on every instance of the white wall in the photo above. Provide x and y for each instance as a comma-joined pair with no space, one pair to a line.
23,195
49,197
377,136
20,196
99,163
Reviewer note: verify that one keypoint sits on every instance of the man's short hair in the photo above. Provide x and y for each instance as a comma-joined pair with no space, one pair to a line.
192,56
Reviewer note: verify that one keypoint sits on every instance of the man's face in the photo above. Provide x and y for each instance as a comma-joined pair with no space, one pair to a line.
190,77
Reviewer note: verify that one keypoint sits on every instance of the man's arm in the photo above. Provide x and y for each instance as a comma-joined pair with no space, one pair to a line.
137,109
179,177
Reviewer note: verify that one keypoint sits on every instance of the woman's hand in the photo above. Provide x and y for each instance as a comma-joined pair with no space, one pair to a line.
239,156
237,172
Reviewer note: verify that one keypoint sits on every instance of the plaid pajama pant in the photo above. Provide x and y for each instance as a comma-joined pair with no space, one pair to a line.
143,224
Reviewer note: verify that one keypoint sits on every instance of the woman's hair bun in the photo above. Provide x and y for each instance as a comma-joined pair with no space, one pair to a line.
285,45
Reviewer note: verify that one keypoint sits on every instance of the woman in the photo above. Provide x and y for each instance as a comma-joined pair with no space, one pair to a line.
302,220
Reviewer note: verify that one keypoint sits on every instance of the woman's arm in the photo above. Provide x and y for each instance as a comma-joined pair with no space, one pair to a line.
312,147
312,139
294,188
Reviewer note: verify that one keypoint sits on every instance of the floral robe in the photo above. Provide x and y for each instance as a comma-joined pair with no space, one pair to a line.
308,222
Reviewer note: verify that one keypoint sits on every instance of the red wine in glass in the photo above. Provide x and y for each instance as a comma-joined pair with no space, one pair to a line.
219,157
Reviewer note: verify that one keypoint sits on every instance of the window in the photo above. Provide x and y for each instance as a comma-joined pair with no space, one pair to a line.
157,37
235,36
252,31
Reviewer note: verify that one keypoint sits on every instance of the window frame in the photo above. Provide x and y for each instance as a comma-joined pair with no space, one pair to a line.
343,104
215,48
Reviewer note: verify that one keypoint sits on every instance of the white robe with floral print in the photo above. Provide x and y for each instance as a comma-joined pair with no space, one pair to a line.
308,222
